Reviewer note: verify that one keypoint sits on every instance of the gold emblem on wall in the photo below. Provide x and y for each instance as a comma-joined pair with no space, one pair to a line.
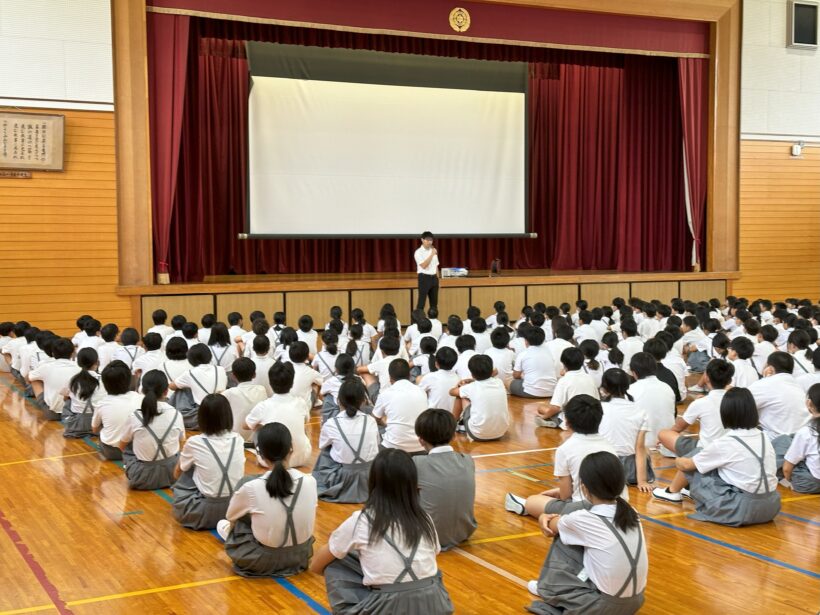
460,19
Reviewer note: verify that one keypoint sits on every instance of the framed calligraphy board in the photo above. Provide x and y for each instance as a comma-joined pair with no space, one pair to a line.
31,141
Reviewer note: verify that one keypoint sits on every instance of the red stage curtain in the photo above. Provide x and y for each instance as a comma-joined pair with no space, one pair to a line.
579,103
694,102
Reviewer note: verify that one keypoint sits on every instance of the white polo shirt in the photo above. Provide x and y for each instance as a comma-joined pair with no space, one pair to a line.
207,475
461,365
658,400
224,356
380,369
128,355
572,383
735,464
402,404
503,362
162,330
269,516
420,256
437,386
209,379
112,413
331,435
145,447
605,560
243,398
804,447
489,412
537,368
105,353
55,376
623,420
802,365
761,354
807,380
291,411
571,453
152,359
308,337
781,403
706,411
13,350
325,364
745,374
629,347
586,332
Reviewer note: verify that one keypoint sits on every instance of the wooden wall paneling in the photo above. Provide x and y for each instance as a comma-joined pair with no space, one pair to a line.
703,291
371,301
483,297
552,294
245,303
450,301
193,307
316,305
664,291
598,295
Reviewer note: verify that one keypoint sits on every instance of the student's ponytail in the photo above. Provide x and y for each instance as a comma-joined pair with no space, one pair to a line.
431,362
603,477
83,384
274,443
154,387
331,341
625,516
616,357
351,396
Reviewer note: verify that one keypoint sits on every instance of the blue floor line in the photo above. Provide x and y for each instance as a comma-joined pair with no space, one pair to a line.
796,518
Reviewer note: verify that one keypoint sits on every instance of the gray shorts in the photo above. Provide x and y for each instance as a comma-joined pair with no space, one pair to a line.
517,389
687,446
564,507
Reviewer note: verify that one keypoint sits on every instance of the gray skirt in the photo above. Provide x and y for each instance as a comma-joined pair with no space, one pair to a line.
348,595
781,446
562,592
253,559
719,502
631,472
111,453
194,510
373,391
803,481
148,475
77,425
329,408
184,402
344,483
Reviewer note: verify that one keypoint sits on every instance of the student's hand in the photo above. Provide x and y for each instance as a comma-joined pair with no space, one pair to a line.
544,522
461,383
644,487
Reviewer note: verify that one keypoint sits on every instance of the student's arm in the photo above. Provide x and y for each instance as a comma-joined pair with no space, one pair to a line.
640,462
322,560
423,264
680,425
565,487
788,468
685,464
454,392
177,471
362,369
549,524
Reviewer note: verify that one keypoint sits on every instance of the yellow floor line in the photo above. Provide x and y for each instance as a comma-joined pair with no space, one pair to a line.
31,609
14,463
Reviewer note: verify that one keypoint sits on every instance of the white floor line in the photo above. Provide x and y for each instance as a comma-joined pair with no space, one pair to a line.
532,450
499,571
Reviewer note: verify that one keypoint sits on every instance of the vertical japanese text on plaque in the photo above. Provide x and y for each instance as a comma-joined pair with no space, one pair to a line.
31,141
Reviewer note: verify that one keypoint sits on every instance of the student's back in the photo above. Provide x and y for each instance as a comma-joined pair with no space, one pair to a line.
447,491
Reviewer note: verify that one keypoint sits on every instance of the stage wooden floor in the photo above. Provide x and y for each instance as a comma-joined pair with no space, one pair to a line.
75,539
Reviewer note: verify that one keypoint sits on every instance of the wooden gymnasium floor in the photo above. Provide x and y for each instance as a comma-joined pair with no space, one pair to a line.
75,539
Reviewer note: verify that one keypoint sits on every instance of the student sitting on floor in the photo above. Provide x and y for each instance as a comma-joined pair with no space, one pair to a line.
348,441
284,407
503,358
382,559
151,439
324,360
573,381
210,465
345,370
190,333
801,462
84,393
583,415
465,346
425,361
376,374
741,350
654,396
176,361
245,396
235,330
624,425
631,343
192,386
112,413
592,365
50,379
780,399
11,351
399,407
268,527
128,352
368,331
307,334
223,351
151,359
357,347
159,318
203,334
262,359
446,479
733,478
598,561
455,328
481,402
306,380
437,384
534,373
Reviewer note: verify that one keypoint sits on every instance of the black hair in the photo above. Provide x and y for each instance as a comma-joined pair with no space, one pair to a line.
480,366
800,339
602,474
500,338
629,328
83,384
152,341
219,335
109,332
279,320
446,358
199,354
6,328
330,339
351,396
643,364
298,352
562,331
345,366
81,321
590,350
234,318
455,327
399,369
465,342
208,321
129,337
616,383
357,316
499,306
389,346
720,373
176,349
20,328
583,414
387,310
261,345
427,235
92,327
178,321
534,336
436,426
425,326
281,377
782,362
214,414
393,505
478,325
428,346
769,333
62,348
260,326
473,312
743,346
572,359
116,378
159,317
335,312
189,331
355,333
243,369
256,315
31,334
738,409
274,443
585,316
657,348
154,387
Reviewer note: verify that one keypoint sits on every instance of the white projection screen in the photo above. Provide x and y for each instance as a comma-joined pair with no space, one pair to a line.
346,143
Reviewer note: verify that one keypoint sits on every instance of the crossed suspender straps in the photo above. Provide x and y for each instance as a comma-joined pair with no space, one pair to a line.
160,441
357,452
762,482
220,357
223,467
330,369
290,527
133,357
633,559
216,381
407,560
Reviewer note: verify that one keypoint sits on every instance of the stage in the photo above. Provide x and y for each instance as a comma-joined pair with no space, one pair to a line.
314,294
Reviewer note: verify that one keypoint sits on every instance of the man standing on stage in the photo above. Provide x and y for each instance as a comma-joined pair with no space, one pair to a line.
427,267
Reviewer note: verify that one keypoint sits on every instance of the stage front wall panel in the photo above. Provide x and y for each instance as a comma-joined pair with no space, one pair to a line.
552,294
664,291
450,301
245,303
602,294
193,307
371,302
703,291
484,297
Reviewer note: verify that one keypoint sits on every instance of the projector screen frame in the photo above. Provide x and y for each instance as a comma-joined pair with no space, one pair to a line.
291,59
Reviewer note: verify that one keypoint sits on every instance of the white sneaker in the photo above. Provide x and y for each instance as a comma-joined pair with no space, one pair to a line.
664,494
460,428
515,504
539,422
223,528
697,390
685,493
532,587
